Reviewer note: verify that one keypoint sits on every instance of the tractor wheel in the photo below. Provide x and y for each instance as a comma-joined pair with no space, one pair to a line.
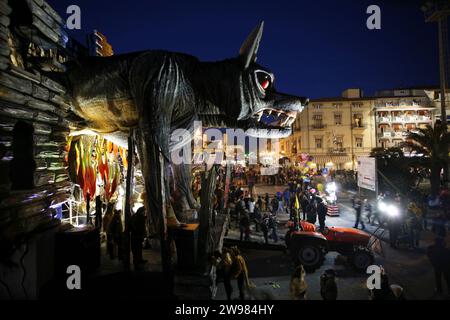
361,259
309,255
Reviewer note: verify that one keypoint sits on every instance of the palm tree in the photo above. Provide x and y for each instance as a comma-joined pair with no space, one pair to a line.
433,144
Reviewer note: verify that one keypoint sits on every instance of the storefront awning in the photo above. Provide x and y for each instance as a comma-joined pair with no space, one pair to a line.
324,159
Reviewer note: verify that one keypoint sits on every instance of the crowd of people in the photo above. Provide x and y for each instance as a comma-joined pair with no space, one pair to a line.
298,200
406,217
113,228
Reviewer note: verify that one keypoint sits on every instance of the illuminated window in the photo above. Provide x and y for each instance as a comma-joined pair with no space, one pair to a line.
318,121
337,118
319,143
359,142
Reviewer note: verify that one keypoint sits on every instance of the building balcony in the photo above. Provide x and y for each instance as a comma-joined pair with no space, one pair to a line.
398,134
423,119
383,119
398,119
359,126
337,150
385,134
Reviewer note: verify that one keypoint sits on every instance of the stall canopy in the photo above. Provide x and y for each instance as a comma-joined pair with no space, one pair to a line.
323,159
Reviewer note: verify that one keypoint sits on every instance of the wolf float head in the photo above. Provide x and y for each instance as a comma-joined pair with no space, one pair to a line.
264,111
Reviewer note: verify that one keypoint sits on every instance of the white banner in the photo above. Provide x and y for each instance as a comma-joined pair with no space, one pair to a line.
269,171
367,173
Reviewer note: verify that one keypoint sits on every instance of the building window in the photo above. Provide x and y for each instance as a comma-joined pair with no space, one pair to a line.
317,106
383,143
338,119
339,142
337,105
357,105
317,121
357,120
319,143
359,142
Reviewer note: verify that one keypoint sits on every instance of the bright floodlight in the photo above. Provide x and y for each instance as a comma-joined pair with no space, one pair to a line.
392,211
382,206
331,187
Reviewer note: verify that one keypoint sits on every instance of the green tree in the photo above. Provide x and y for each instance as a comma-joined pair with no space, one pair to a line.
432,144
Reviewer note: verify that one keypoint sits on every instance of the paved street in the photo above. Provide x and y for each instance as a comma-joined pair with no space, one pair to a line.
270,270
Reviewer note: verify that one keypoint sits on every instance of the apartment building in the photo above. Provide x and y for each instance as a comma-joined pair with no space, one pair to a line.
98,44
334,131
399,111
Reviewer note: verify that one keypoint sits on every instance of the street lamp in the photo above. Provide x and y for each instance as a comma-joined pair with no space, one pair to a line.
438,11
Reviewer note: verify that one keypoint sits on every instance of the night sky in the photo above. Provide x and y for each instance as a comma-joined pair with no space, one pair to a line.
315,48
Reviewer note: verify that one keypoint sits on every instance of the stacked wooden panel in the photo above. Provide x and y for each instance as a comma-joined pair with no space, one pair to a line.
27,94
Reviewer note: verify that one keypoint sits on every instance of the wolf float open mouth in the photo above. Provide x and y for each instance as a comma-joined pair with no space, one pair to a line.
271,123
275,118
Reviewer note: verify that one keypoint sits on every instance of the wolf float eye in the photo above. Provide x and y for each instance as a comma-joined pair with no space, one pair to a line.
264,79
265,84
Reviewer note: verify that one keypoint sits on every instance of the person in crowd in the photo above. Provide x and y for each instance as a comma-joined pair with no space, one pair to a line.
439,257
280,208
273,227
98,211
115,230
321,213
384,292
260,203
106,222
298,284
138,233
251,206
267,201
244,226
358,208
251,182
292,186
238,208
239,193
275,205
368,209
232,193
246,199
287,199
257,216
328,286
413,222
265,227
312,212
293,212
304,202
220,198
231,265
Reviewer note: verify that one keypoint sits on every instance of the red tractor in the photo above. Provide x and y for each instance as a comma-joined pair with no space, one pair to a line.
308,245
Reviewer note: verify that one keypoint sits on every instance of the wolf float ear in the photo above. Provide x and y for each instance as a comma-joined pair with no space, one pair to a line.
249,48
